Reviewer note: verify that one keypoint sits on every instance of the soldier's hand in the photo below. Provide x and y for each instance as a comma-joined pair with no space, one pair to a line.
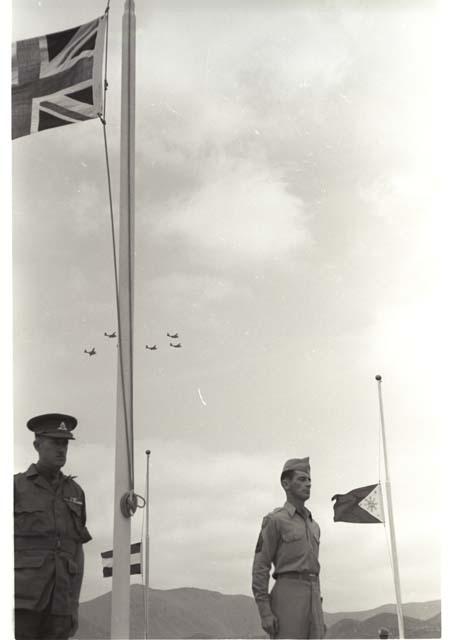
270,624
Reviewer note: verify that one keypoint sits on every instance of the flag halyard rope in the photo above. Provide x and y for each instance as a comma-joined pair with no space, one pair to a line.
130,274
102,118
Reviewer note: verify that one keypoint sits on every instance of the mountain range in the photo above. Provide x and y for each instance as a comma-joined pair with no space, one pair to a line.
198,613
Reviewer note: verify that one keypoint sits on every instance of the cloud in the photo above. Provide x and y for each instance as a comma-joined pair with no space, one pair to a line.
222,44
202,288
242,211
395,196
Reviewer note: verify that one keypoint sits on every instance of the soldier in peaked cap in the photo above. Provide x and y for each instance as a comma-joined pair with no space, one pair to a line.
49,531
289,541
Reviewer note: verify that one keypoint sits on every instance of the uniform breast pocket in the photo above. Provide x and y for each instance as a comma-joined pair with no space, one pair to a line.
293,543
75,511
292,536
76,516
75,508
30,517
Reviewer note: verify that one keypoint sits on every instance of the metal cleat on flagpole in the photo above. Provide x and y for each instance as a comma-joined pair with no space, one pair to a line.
129,504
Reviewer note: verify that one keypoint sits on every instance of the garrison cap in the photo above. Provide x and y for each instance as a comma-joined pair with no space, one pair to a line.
297,464
53,425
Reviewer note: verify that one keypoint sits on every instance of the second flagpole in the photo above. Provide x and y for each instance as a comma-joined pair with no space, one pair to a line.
146,589
391,523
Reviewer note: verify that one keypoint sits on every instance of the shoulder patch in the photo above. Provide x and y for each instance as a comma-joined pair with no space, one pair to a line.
259,546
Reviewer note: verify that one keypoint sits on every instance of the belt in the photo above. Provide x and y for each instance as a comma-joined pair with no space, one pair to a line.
298,575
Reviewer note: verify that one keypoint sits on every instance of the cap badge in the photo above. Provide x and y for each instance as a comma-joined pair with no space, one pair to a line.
62,427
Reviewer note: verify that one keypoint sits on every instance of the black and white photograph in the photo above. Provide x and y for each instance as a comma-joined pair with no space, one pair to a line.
228,366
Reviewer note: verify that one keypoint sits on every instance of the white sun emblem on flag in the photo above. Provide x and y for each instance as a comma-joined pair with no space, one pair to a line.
371,504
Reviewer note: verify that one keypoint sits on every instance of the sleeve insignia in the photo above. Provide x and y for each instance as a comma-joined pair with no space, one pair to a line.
259,546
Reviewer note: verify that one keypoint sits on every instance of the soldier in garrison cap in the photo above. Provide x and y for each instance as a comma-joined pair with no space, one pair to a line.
289,541
49,531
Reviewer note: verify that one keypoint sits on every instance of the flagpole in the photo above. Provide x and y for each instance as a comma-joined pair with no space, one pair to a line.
391,523
146,594
124,498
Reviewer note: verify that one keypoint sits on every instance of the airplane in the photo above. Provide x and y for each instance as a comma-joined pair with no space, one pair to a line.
92,352
110,335
176,335
154,348
176,346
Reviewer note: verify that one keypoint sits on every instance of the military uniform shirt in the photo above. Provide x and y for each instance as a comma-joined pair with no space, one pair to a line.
49,530
290,542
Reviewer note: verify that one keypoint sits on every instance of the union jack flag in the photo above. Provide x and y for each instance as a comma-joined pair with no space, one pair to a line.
57,78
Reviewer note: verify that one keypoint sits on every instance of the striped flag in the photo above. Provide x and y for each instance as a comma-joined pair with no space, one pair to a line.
135,560
359,505
57,78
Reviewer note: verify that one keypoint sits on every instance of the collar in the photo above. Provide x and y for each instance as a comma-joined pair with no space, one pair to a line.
32,471
292,510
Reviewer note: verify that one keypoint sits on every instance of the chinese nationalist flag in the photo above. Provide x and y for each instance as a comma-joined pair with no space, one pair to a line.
359,505
57,78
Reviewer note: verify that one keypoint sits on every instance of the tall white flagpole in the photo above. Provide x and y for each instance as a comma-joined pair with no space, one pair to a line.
124,499
146,592
391,522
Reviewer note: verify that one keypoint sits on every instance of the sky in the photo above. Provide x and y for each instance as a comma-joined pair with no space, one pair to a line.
288,226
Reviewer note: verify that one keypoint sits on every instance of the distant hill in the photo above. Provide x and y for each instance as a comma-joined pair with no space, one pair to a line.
176,613
419,610
414,628
197,613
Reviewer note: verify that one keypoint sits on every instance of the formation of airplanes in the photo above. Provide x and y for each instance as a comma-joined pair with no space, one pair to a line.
173,336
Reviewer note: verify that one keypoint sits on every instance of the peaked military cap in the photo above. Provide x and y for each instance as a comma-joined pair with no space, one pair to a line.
53,425
297,464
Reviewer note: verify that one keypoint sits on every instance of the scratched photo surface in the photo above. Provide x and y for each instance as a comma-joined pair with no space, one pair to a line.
287,237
